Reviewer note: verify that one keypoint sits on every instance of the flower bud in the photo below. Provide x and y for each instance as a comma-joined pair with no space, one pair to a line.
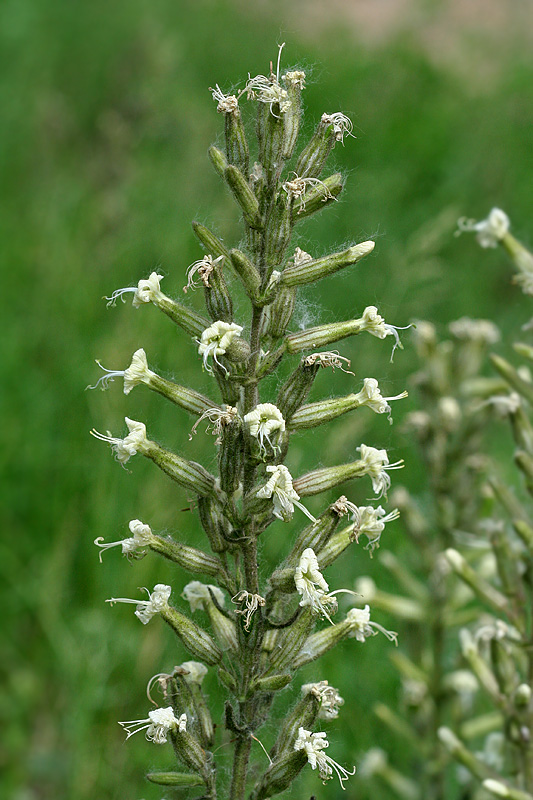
217,297
236,144
180,780
290,642
279,776
311,271
273,683
246,272
244,196
197,641
211,599
318,197
190,674
211,243
187,319
322,335
218,160
213,522
190,558
303,715
277,235
189,474
189,750
188,399
294,81
280,311
504,667
313,157
296,388
270,139
231,454
512,377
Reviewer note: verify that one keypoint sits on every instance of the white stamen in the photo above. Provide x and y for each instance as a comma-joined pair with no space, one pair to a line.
146,609
376,464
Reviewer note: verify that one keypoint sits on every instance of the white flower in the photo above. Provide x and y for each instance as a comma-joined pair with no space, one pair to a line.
197,594
311,585
146,609
314,744
279,487
266,419
132,546
125,448
371,396
157,725
204,268
361,626
482,331
227,103
251,603
146,291
193,672
136,373
376,325
370,522
341,124
376,464
489,232
329,697
215,340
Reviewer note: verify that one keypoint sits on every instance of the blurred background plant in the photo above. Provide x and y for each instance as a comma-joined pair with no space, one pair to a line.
106,119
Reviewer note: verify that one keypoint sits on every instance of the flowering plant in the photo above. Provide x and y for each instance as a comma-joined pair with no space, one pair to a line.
279,624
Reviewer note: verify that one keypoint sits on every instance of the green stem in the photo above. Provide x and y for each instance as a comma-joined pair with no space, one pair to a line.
240,767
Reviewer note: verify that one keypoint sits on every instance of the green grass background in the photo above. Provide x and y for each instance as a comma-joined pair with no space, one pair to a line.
106,124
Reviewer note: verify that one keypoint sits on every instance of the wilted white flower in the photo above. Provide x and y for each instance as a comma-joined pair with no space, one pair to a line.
341,124
136,373
204,268
157,725
361,626
297,187
251,603
264,421
371,396
311,585
125,448
268,90
219,418
376,464
146,609
376,325
146,291
227,103
197,594
279,487
329,697
329,359
314,744
133,545
489,232
215,340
